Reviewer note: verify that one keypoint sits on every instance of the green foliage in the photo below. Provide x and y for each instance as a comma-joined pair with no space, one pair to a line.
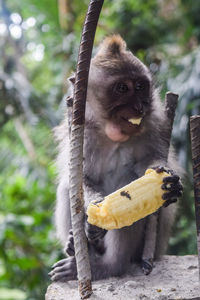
33,79
27,200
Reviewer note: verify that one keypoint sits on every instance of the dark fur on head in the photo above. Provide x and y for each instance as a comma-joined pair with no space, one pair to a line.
112,46
113,54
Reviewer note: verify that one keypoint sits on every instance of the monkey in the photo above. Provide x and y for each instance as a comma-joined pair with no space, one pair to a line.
117,152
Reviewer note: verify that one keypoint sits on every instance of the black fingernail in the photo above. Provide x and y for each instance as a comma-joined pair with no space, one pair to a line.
164,196
166,204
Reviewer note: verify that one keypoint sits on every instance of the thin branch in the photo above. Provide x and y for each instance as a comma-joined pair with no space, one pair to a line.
65,15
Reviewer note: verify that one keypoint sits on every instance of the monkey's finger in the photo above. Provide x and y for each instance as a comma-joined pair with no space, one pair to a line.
71,239
71,232
70,249
159,169
172,186
68,265
64,276
171,179
171,195
59,263
93,232
57,270
96,232
97,236
168,202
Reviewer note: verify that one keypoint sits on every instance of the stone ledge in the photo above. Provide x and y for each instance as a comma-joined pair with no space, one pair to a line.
173,278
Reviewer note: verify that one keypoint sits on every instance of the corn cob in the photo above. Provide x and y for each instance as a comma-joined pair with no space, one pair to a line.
129,204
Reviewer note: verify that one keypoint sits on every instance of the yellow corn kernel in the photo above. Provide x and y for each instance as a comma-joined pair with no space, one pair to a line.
135,121
129,204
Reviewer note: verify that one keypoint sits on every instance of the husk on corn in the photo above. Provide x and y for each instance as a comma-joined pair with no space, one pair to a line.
129,204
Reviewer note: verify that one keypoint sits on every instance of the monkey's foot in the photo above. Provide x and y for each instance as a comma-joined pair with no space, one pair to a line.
147,266
94,233
171,184
69,247
64,270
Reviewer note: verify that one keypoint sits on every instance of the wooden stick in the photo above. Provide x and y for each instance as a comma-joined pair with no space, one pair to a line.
171,101
195,144
76,148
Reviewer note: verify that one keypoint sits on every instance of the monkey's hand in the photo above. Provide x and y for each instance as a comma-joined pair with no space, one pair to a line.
96,242
94,233
64,270
171,185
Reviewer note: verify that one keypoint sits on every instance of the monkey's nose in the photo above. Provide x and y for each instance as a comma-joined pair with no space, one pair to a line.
138,110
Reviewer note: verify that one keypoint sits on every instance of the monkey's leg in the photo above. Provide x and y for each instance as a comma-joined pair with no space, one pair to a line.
120,245
62,212
149,243
115,260
112,263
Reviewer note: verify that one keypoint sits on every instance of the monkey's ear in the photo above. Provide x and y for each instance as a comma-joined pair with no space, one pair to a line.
112,46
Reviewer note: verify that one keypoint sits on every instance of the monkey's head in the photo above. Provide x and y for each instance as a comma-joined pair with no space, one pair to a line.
119,90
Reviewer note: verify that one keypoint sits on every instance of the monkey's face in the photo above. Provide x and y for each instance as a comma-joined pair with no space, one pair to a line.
120,90
125,103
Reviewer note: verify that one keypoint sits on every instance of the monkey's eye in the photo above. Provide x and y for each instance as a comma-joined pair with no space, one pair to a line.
139,86
121,88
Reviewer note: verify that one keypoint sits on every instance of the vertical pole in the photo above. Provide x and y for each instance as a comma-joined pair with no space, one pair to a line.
76,148
171,101
195,143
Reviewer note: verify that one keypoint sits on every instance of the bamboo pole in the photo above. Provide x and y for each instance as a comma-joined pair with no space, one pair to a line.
76,148
195,144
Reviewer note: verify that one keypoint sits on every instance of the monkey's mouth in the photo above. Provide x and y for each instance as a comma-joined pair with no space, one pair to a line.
121,129
133,120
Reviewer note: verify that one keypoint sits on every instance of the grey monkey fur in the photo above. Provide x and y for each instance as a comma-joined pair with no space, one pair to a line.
109,165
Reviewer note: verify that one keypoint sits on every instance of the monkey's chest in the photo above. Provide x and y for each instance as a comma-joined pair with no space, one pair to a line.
118,177
111,171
